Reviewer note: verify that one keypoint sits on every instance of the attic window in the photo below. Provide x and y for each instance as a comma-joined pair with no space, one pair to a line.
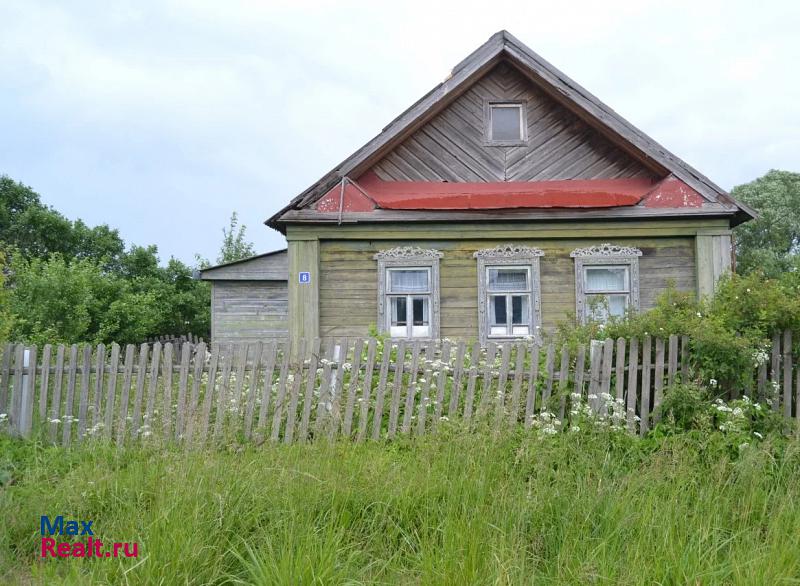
505,123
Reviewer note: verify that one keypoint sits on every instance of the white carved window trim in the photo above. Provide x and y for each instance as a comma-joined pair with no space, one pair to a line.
509,255
409,257
605,255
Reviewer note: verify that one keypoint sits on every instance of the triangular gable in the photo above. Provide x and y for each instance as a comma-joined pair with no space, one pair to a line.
504,48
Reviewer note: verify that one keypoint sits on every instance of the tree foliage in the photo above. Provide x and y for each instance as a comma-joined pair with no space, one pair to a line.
235,246
69,282
770,243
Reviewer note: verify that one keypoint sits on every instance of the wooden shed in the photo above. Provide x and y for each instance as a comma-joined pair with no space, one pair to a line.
249,298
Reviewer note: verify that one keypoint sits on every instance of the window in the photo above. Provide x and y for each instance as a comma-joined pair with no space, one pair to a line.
607,281
505,123
508,292
408,292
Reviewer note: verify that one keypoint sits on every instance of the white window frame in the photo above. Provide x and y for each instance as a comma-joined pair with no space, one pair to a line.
408,257
605,255
523,122
507,256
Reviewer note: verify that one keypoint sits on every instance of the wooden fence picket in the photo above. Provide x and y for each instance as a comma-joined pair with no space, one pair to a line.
397,388
775,372
672,369
294,394
633,374
83,407
210,393
380,392
44,382
472,380
277,405
28,392
5,378
366,387
272,351
502,378
227,357
166,377
488,374
69,415
644,424
352,387
458,372
438,405
125,394
516,386
619,371
411,389
55,405
99,375
152,386
787,373
533,379
658,383
183,382
16,395
563,381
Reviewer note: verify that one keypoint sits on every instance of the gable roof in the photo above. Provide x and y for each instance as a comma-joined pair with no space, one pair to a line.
504,47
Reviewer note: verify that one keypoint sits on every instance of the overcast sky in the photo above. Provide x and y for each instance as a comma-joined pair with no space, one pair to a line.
162,117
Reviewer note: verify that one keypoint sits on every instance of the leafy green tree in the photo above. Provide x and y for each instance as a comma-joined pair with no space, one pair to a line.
770,243
6,318
235,246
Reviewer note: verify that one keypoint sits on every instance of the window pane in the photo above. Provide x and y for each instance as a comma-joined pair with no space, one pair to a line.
408,281
600,307
510,279
398,305
497,310
506,122
519,310
420,311
606,279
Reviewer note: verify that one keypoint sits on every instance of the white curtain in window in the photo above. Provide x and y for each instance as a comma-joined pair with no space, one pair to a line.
606,279
508,279
408,281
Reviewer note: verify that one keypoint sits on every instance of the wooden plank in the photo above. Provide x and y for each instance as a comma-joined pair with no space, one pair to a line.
411,389
472,380
199,360
563,381
424,394
684,359
488,375
380,393
549,371
672,369
255,374
226,359
502,379
338,384
516,387
111,392
352,387
644,424
124,399
458,373
44,382
5,378
166,378
323,404
270,357
16,398
183,381
619,391
533,380
605,372
241,364
658,392
580,370
775,371
787,373
438,406
83,406
55,406
397,388
28,393
369,368
141,375
99,374
280,395
311,385
208,398
633,374
294,395
152,387
595,366
66,436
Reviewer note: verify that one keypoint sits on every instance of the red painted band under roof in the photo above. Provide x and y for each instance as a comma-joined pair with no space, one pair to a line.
372,193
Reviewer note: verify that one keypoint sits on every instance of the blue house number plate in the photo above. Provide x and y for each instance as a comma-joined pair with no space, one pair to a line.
305,277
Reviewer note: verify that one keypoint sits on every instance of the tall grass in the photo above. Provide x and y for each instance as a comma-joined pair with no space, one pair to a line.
455,508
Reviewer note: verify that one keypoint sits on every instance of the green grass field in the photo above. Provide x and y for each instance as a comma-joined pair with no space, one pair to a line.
459,508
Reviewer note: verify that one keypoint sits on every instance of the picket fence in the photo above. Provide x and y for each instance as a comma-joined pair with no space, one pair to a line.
354,388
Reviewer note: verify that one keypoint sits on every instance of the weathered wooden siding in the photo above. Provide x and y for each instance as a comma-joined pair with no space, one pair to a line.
248,311
348,279
560,146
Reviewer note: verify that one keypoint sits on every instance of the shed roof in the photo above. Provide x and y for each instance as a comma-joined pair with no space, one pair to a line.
269,266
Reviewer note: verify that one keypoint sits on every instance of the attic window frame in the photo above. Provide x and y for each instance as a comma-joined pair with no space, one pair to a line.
523,122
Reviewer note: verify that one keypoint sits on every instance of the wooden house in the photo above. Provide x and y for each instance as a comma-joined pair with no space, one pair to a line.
506,200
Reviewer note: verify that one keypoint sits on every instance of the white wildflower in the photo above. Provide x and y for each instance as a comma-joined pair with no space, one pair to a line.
758,435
